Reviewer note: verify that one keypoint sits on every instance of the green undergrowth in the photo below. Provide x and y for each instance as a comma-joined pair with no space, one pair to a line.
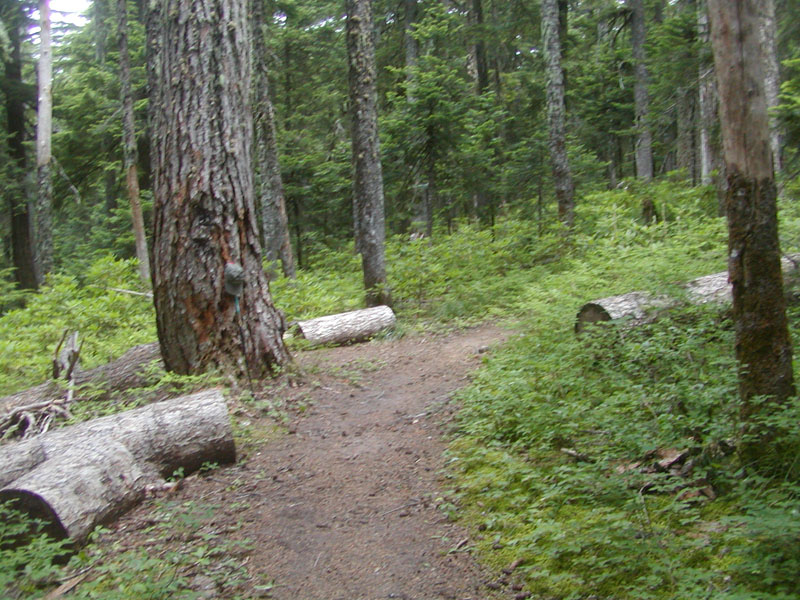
555,459
604,464
109,322
183,551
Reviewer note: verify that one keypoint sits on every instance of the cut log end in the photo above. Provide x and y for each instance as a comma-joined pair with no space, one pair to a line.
588,314
36,508
77,477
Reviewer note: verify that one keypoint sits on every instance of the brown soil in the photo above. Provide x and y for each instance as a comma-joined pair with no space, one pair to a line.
346,504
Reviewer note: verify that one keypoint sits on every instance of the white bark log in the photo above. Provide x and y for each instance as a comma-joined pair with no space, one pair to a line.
640,307
354,326
80,476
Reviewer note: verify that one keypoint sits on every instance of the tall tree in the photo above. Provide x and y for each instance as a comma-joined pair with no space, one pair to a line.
44,136
22,240
130,152
641,96
707,101
763,347
199,67
368,202
772,77
275,224
562,175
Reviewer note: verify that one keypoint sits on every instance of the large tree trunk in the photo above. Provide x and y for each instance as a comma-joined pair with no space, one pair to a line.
276,241
44,133
368,202
343,328
80,476
22,240
763,347
562,176
641,97
131,155
203,191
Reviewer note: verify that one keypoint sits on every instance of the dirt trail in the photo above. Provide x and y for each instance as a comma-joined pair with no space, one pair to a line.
345,507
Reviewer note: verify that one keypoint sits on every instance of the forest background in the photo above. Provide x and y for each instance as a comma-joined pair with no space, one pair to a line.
473,140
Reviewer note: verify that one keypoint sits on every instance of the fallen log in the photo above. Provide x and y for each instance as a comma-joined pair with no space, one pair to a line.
639,307
77,477
343,328
124,373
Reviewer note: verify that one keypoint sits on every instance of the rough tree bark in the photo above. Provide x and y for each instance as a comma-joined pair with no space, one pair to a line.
353,326
22,240
641,98
275,233
130,151
80,476
763,347
368,201
199,67
562,176
44,134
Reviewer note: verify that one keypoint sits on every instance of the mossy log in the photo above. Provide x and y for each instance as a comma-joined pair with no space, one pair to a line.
640,307
83,475
343,328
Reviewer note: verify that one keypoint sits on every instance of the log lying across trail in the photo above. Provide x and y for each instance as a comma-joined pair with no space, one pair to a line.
353,326
640,306
83,475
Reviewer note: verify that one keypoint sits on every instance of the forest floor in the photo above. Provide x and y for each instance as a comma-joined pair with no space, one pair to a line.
345,501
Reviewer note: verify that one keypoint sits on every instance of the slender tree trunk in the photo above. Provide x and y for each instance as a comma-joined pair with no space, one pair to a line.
411,46
130,151
479,48
205,218
641,97
100,13
418,196
368,216
44,131
276,241
22,240
763,347
562,176
685,151
772,76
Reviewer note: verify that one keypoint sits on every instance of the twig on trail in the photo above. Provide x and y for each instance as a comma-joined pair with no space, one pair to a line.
317,561
388,512
67,586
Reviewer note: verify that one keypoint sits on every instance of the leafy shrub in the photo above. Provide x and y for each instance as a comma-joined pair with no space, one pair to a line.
109,322
555,456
